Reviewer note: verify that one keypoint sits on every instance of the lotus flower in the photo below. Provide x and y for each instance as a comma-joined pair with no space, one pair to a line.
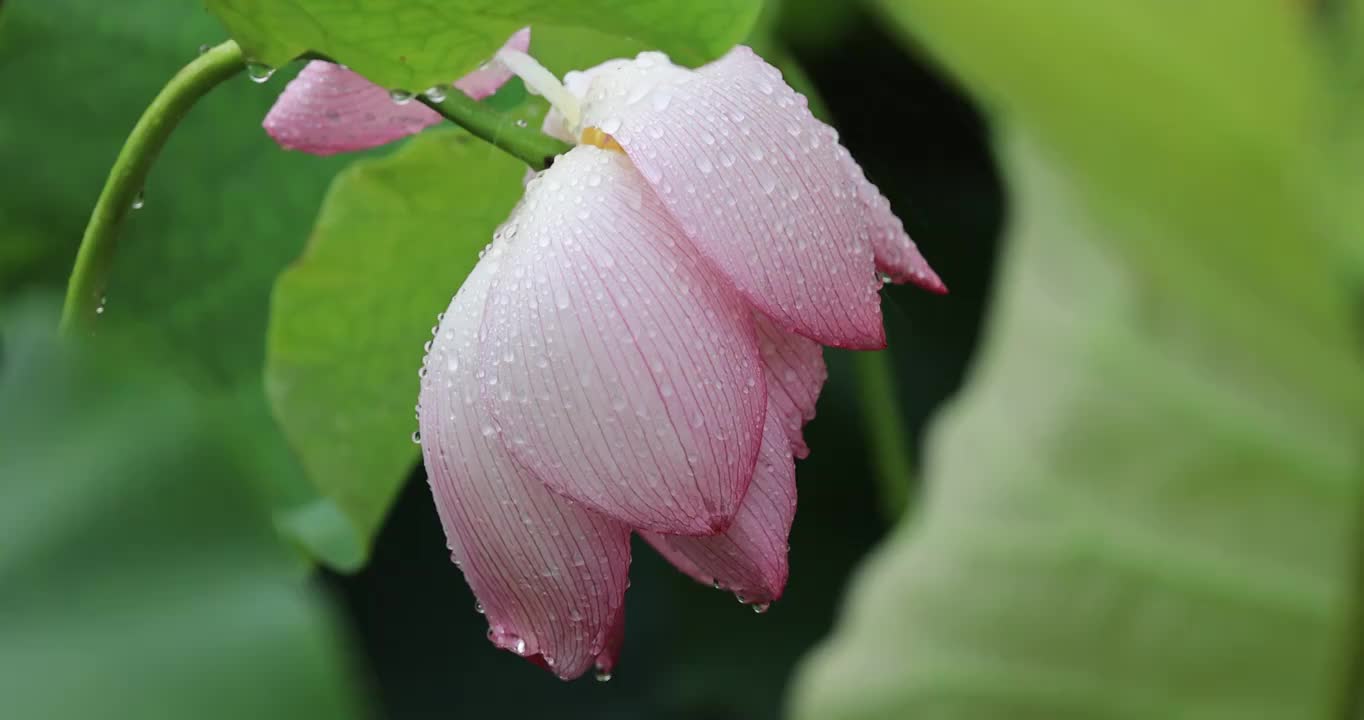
639,348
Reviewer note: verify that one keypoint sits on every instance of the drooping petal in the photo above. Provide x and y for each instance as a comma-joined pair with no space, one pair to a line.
761,186
550,575
329,109
621,369
749,558
795,375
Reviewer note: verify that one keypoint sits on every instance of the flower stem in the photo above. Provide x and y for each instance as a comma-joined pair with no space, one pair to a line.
531,146
89,277
886,428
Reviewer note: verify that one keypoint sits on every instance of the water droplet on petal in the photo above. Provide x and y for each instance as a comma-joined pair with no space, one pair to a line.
767,180
259,72
603,675
609,125
761,607
478,607
400,97
417,437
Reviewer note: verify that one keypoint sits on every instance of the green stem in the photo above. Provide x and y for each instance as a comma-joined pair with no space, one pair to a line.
89,277
886,429
531,146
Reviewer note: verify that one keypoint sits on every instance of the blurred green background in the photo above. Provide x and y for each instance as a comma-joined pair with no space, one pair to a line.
1144,503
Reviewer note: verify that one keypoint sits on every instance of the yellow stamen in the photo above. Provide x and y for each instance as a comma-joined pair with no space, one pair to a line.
593,136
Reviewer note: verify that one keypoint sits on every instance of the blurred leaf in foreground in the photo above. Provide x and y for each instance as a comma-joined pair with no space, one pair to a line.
138,577
1147,502
1112,528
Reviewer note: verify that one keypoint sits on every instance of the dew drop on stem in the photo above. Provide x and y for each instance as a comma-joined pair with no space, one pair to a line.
259,72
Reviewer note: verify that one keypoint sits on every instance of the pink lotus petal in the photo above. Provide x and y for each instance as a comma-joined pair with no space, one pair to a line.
615,638
761,186
328,109
621,369
896,255
750,557
551,576
795,375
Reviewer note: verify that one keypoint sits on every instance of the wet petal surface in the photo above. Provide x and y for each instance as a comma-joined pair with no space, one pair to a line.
550,576
750,558
761,186
621,369
795,375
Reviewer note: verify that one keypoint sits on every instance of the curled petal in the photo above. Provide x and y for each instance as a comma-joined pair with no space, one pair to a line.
550,575
621,369
749,558
897,257
761,186
795,375
329,109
